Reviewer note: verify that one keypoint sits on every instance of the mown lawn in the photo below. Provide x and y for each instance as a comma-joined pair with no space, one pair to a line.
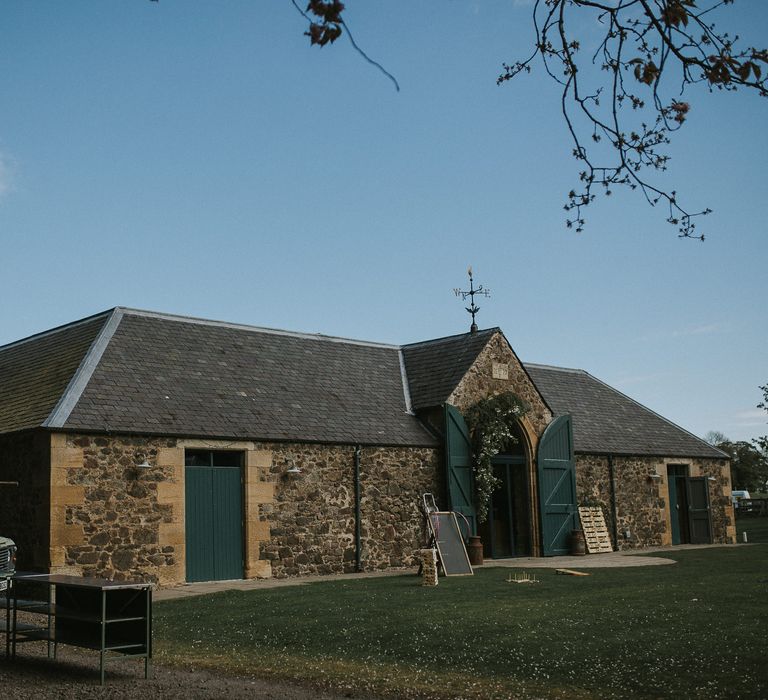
755,527
694,629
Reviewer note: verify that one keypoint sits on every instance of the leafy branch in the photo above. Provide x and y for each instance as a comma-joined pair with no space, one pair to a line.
650,51
326,25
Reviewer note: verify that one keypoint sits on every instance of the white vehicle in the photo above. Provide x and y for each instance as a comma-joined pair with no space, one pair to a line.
7,560
738,496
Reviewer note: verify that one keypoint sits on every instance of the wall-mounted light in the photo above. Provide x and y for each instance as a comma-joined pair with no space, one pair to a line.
711,478
293,470
654,477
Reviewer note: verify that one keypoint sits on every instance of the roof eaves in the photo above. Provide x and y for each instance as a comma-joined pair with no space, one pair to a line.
61,411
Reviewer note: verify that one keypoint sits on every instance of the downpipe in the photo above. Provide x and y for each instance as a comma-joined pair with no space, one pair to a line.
358,528
612,481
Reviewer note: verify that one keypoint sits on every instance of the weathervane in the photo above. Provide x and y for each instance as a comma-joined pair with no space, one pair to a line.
472,308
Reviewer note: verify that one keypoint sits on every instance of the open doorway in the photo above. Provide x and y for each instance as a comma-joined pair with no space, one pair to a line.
507,530
689,510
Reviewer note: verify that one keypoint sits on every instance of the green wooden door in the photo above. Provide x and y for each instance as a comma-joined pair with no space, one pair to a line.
214,517
699,521
557,486
676,474
458,463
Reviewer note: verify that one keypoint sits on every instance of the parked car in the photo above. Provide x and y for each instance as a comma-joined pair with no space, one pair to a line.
7,559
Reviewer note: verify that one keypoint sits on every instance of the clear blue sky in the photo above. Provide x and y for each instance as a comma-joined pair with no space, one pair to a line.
200,158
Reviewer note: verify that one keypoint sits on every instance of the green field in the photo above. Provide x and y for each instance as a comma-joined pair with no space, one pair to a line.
693,629
755,527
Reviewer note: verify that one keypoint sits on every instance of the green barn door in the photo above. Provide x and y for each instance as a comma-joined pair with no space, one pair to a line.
214,515
557,486
458,463
678,512
699,521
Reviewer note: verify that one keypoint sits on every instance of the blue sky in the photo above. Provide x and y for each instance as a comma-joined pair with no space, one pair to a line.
201,158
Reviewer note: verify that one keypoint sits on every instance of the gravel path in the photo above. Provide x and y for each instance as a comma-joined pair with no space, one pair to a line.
75,675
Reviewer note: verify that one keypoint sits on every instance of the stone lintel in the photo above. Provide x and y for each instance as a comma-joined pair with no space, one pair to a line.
199,444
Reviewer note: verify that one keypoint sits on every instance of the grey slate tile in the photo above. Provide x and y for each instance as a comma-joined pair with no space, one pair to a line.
605,421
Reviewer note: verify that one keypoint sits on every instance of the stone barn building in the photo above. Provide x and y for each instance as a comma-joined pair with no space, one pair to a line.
174,449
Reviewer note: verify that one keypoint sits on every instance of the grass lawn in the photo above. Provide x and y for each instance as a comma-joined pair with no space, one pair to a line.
694,629
755,527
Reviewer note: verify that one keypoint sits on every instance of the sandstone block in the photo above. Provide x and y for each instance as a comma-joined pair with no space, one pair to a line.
259,569
170,457
259,458
260,492
68,535
172,533
171,492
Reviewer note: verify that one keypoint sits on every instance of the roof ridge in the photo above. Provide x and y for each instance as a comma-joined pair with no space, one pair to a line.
573,370
448,337
195,320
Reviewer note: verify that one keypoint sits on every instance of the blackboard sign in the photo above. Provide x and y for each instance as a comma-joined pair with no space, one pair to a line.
450,544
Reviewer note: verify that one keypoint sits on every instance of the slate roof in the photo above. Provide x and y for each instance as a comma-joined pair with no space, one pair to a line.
162,374
129,371
605,421
35,372
435,367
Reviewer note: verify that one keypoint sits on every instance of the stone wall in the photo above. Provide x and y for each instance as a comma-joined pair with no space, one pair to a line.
313,517
24,458
723,516
107,514
642,502
496,371
110,518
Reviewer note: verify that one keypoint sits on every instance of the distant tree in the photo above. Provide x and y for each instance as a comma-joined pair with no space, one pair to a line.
762,442
715,438
749,466
749,461
621,96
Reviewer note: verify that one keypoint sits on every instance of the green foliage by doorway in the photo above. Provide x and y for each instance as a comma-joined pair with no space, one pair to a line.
491,423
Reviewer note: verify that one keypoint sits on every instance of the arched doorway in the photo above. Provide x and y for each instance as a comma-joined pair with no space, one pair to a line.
507,530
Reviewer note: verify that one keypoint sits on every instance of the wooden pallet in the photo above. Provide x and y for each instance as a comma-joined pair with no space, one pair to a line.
595,530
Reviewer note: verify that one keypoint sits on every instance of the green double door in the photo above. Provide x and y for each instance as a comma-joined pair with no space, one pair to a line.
689,507
214,515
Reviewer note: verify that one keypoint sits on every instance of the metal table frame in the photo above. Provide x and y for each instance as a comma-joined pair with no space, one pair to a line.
111,617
